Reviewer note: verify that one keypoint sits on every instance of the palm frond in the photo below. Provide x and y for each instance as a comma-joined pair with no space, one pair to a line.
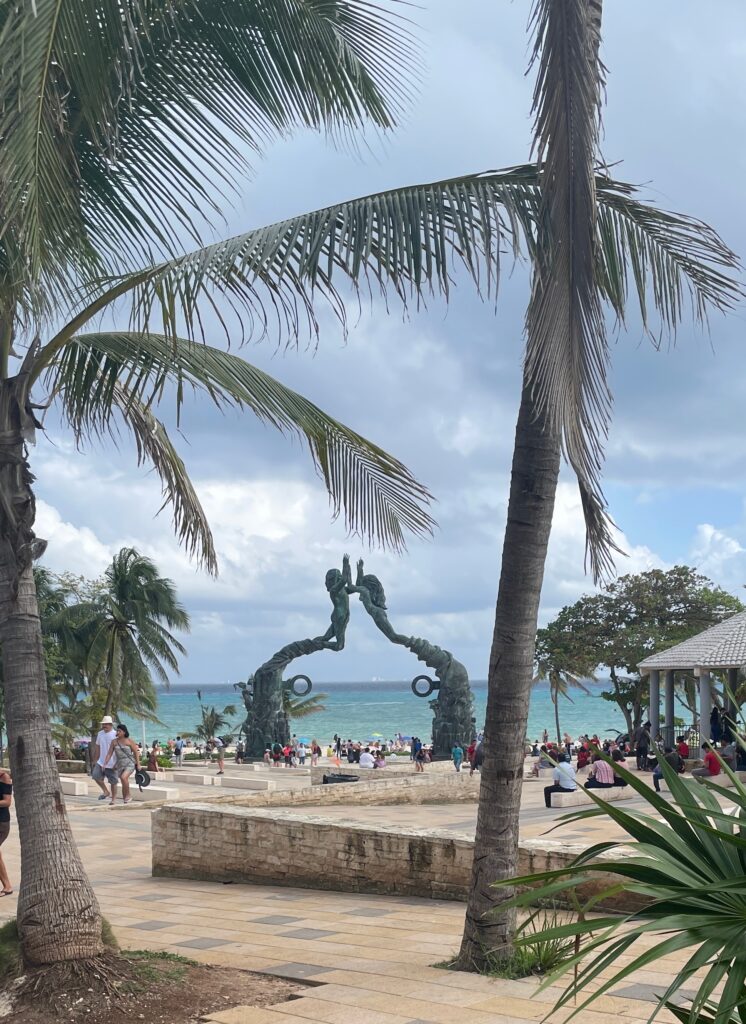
567,351
378,495
154,446
160,93
407,242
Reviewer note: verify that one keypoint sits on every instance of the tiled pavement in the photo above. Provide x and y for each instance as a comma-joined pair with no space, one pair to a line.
361,954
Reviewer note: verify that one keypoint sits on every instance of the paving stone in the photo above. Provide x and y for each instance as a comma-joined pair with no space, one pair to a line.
153,926
204,943
275,919
308,933
296,970
366,912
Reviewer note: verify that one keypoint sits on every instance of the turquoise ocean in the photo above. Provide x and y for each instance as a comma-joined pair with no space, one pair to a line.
358,710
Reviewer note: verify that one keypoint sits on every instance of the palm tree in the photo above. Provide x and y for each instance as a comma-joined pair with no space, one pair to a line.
129,635
557,662
102,174
301,707
564,408
213,721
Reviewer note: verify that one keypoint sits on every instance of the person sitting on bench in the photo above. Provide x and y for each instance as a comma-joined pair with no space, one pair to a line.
601,774
564,779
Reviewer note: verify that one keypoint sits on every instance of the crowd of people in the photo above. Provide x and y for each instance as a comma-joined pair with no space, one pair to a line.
594,755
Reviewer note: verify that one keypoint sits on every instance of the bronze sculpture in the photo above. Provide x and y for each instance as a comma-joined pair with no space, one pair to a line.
453,708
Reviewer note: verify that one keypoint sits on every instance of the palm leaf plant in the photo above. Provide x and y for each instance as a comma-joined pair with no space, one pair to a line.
301,707
213,721
560,662
685,863
123,126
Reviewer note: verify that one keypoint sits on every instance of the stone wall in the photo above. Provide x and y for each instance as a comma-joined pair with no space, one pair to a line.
395,789
310,851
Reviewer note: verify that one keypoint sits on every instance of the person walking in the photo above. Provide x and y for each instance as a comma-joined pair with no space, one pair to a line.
179,751
219,748
419,760
100,774
6,799
563,779
126,754
457,755
477,759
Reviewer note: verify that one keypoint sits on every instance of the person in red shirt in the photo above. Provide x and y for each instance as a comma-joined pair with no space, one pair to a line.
712,764
682,747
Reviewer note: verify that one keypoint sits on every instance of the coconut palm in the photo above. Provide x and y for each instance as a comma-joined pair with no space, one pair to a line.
123,125
557,662
301,707
564,408
129,636
212,721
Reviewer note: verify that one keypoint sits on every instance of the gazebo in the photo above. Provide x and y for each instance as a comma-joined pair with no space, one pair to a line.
721,647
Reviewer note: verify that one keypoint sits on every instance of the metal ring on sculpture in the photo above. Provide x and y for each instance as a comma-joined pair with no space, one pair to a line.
290,685
432,686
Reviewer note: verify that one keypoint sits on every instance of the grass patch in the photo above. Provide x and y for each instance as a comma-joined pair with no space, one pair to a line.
150,966
532,956
10,951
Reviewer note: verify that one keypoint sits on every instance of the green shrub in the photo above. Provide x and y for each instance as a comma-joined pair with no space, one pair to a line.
163,761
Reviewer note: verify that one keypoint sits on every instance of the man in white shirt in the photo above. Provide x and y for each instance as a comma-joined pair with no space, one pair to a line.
100,774
564,779
366,759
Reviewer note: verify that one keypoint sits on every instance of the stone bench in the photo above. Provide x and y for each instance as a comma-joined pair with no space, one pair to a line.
74,787
153,793
232,782
192,779
579,796
720,780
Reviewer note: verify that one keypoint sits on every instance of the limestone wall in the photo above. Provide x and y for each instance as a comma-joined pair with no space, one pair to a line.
309,851
434,788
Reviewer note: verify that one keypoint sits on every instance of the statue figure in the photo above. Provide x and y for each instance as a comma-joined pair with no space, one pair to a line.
373,598
453,709
266,721
338,584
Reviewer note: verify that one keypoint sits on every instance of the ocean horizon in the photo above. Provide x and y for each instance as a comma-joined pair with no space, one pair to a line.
359,709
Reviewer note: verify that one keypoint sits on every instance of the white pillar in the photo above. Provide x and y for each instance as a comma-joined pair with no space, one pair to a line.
705,705
655,704
669,732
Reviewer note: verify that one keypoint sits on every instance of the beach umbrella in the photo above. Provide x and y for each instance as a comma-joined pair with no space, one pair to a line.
303,739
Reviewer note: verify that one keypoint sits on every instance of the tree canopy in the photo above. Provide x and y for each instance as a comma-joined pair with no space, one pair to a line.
632,617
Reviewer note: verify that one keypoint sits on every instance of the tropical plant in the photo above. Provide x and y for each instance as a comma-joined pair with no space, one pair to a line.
102,173
686,865
301,707
579,267
635,615
129,638
559,662
213,721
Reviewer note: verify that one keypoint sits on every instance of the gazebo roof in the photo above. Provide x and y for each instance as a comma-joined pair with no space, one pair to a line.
720,646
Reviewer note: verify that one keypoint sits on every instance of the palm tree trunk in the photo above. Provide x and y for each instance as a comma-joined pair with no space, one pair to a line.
58,915
536,460
556,719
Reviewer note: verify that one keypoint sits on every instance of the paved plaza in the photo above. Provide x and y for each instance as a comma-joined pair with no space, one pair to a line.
359,954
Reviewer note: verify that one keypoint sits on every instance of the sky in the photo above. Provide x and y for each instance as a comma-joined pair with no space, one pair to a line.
440,388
